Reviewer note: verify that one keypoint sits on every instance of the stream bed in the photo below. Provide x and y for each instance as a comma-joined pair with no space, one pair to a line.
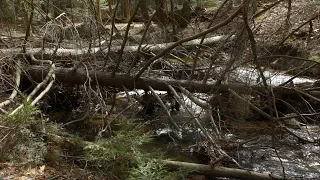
270,149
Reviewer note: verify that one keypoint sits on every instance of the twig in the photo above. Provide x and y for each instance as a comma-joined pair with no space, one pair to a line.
204,36
251,105
254,48
127,94
296,29
203,105
172,46
165,108
298,137
194,99
28,30
15,89
44,91
4,42
259,13
280,160
204,131
35,90
289,57
307,95
125,38
134,62
214,57
298,74
111,36
298,115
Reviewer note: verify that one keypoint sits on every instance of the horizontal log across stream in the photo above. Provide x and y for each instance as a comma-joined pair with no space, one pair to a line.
65,75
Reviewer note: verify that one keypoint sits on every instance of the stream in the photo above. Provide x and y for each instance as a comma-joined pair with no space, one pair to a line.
269,151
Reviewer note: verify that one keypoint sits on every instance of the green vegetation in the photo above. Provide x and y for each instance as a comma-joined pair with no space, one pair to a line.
122,155
20,143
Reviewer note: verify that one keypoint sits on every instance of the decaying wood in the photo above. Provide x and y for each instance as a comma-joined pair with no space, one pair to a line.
114,49
66,75
219,171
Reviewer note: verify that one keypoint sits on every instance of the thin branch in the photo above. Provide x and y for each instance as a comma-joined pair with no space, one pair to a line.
194,99
204,131
30,96
254,49
289,57
253,107
300,26
307,95
203,105
16,87
134,62
203,37
111,36
259,13
165,108
298,74
298,137
28,30
125,38
165,51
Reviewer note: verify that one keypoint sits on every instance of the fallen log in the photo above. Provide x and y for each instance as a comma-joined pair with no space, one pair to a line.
155,48
218,171
80,76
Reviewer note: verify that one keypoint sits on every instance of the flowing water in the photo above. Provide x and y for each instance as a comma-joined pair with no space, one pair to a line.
278,153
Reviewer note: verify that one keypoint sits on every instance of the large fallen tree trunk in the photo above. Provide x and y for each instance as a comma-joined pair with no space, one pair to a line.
114,49
218,171
80,76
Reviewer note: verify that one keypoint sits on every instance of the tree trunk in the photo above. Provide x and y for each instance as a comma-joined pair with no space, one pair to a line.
128,10
65,75
155,48
218,171
98,11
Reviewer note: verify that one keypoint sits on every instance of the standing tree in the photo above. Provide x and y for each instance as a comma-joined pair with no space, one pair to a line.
98,10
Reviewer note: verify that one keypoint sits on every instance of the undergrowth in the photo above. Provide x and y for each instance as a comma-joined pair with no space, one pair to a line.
18,142
121,156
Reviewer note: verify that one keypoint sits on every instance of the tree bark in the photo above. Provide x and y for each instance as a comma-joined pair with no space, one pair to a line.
66,75
219,171
114,49
98,13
